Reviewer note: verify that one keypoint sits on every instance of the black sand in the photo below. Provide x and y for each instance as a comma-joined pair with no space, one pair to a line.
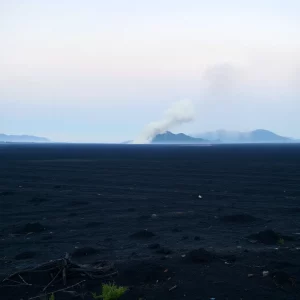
147,209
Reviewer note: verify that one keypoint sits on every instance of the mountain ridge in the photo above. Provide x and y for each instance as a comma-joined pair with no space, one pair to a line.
173,138
10,138
254,136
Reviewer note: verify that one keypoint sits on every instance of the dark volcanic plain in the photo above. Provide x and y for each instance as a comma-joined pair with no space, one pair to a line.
154,211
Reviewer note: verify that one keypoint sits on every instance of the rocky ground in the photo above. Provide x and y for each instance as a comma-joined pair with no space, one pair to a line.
171,222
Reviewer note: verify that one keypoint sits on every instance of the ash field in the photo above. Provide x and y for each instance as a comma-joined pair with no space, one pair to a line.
173,222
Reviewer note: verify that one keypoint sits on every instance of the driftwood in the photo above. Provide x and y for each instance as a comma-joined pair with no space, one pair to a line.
57,273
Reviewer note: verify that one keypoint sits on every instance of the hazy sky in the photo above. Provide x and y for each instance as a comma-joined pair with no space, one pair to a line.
98,70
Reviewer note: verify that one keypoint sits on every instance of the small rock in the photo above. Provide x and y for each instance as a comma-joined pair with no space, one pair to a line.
250,275
265,273
197,238
173,288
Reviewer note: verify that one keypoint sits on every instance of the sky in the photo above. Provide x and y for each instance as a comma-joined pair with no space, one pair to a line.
100,71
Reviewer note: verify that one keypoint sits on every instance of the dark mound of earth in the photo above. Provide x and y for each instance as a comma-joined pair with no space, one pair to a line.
85,251
269,237
7,193
164,251
142,272
201,256
25,255
38,200
31,228
93,224
239,218
154,246
143,234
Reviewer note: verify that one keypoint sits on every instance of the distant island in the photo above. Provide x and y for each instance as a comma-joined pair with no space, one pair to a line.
4,138
255,136
180,138
222,136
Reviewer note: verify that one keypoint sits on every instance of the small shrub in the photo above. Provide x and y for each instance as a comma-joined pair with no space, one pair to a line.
281,241
52,297
110,292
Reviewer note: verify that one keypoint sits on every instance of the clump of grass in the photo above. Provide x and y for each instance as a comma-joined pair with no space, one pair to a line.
281,241
52,297
110,292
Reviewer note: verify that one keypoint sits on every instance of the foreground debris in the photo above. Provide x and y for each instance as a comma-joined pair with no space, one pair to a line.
62,273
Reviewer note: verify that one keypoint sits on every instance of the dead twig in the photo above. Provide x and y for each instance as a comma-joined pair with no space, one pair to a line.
24,280
60,290
44,289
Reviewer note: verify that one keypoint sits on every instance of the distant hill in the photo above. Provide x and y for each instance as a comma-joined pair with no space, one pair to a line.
255,136
127,142
22,139
180,138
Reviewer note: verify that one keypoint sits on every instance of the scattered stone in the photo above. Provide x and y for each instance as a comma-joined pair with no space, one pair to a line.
176,229
85,251
25,255
185,237
154,246
239,218
200,256
250,275
131,209
31,228
143,234
153,216
58,186
197,238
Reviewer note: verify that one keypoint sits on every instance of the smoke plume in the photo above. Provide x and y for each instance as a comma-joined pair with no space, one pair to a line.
179,113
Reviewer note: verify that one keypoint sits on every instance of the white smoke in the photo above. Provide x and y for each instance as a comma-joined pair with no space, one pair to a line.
180,112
